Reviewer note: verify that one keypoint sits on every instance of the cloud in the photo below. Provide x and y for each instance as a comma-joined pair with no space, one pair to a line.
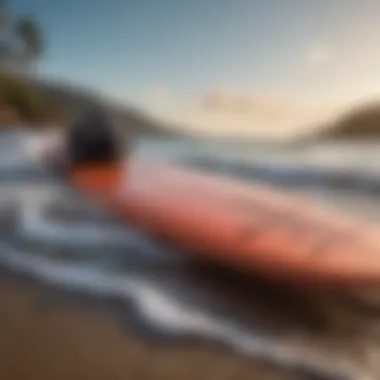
225,101
158,95
249,113
267,107
319,54
226,112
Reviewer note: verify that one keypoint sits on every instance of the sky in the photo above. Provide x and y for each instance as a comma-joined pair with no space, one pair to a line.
224,67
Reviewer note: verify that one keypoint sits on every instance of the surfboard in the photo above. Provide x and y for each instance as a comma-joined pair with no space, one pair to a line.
249,227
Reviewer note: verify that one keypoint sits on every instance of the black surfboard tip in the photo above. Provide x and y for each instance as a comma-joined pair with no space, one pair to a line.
89,140
92,139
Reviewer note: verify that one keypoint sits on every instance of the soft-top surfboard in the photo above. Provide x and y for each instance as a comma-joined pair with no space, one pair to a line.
249,227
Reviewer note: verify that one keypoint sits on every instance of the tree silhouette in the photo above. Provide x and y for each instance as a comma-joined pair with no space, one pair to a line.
21,40
30,36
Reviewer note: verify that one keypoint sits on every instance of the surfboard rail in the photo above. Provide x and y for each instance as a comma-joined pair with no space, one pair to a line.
247,226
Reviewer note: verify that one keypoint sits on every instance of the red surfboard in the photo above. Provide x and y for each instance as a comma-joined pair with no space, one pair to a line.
248,227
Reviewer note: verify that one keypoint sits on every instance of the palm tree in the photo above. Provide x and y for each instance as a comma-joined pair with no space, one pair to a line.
21,40
29,34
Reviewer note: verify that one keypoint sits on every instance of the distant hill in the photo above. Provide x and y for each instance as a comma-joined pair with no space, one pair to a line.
361,123
40,104
74,101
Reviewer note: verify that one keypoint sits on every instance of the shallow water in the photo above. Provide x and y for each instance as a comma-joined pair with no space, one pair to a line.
168,295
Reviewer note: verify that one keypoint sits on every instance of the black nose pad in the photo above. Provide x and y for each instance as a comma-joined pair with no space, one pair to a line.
92,140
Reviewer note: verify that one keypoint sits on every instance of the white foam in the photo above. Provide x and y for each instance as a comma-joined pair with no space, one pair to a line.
158,308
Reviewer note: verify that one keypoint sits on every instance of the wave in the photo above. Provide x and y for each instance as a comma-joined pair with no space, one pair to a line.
164,292
296,176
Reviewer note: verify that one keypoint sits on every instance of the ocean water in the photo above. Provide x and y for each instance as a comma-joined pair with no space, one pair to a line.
319,155
52,234
343,177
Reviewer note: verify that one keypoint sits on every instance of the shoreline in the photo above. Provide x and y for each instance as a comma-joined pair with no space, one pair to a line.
88,336
47,334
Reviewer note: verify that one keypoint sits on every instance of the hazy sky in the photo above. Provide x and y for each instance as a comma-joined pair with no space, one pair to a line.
225,66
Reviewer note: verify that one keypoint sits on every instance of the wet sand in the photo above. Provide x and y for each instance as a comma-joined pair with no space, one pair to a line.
43,336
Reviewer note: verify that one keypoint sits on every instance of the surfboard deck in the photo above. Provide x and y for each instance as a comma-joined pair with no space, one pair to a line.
248,227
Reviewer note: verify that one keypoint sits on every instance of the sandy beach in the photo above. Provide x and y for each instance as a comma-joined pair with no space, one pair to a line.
43,336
